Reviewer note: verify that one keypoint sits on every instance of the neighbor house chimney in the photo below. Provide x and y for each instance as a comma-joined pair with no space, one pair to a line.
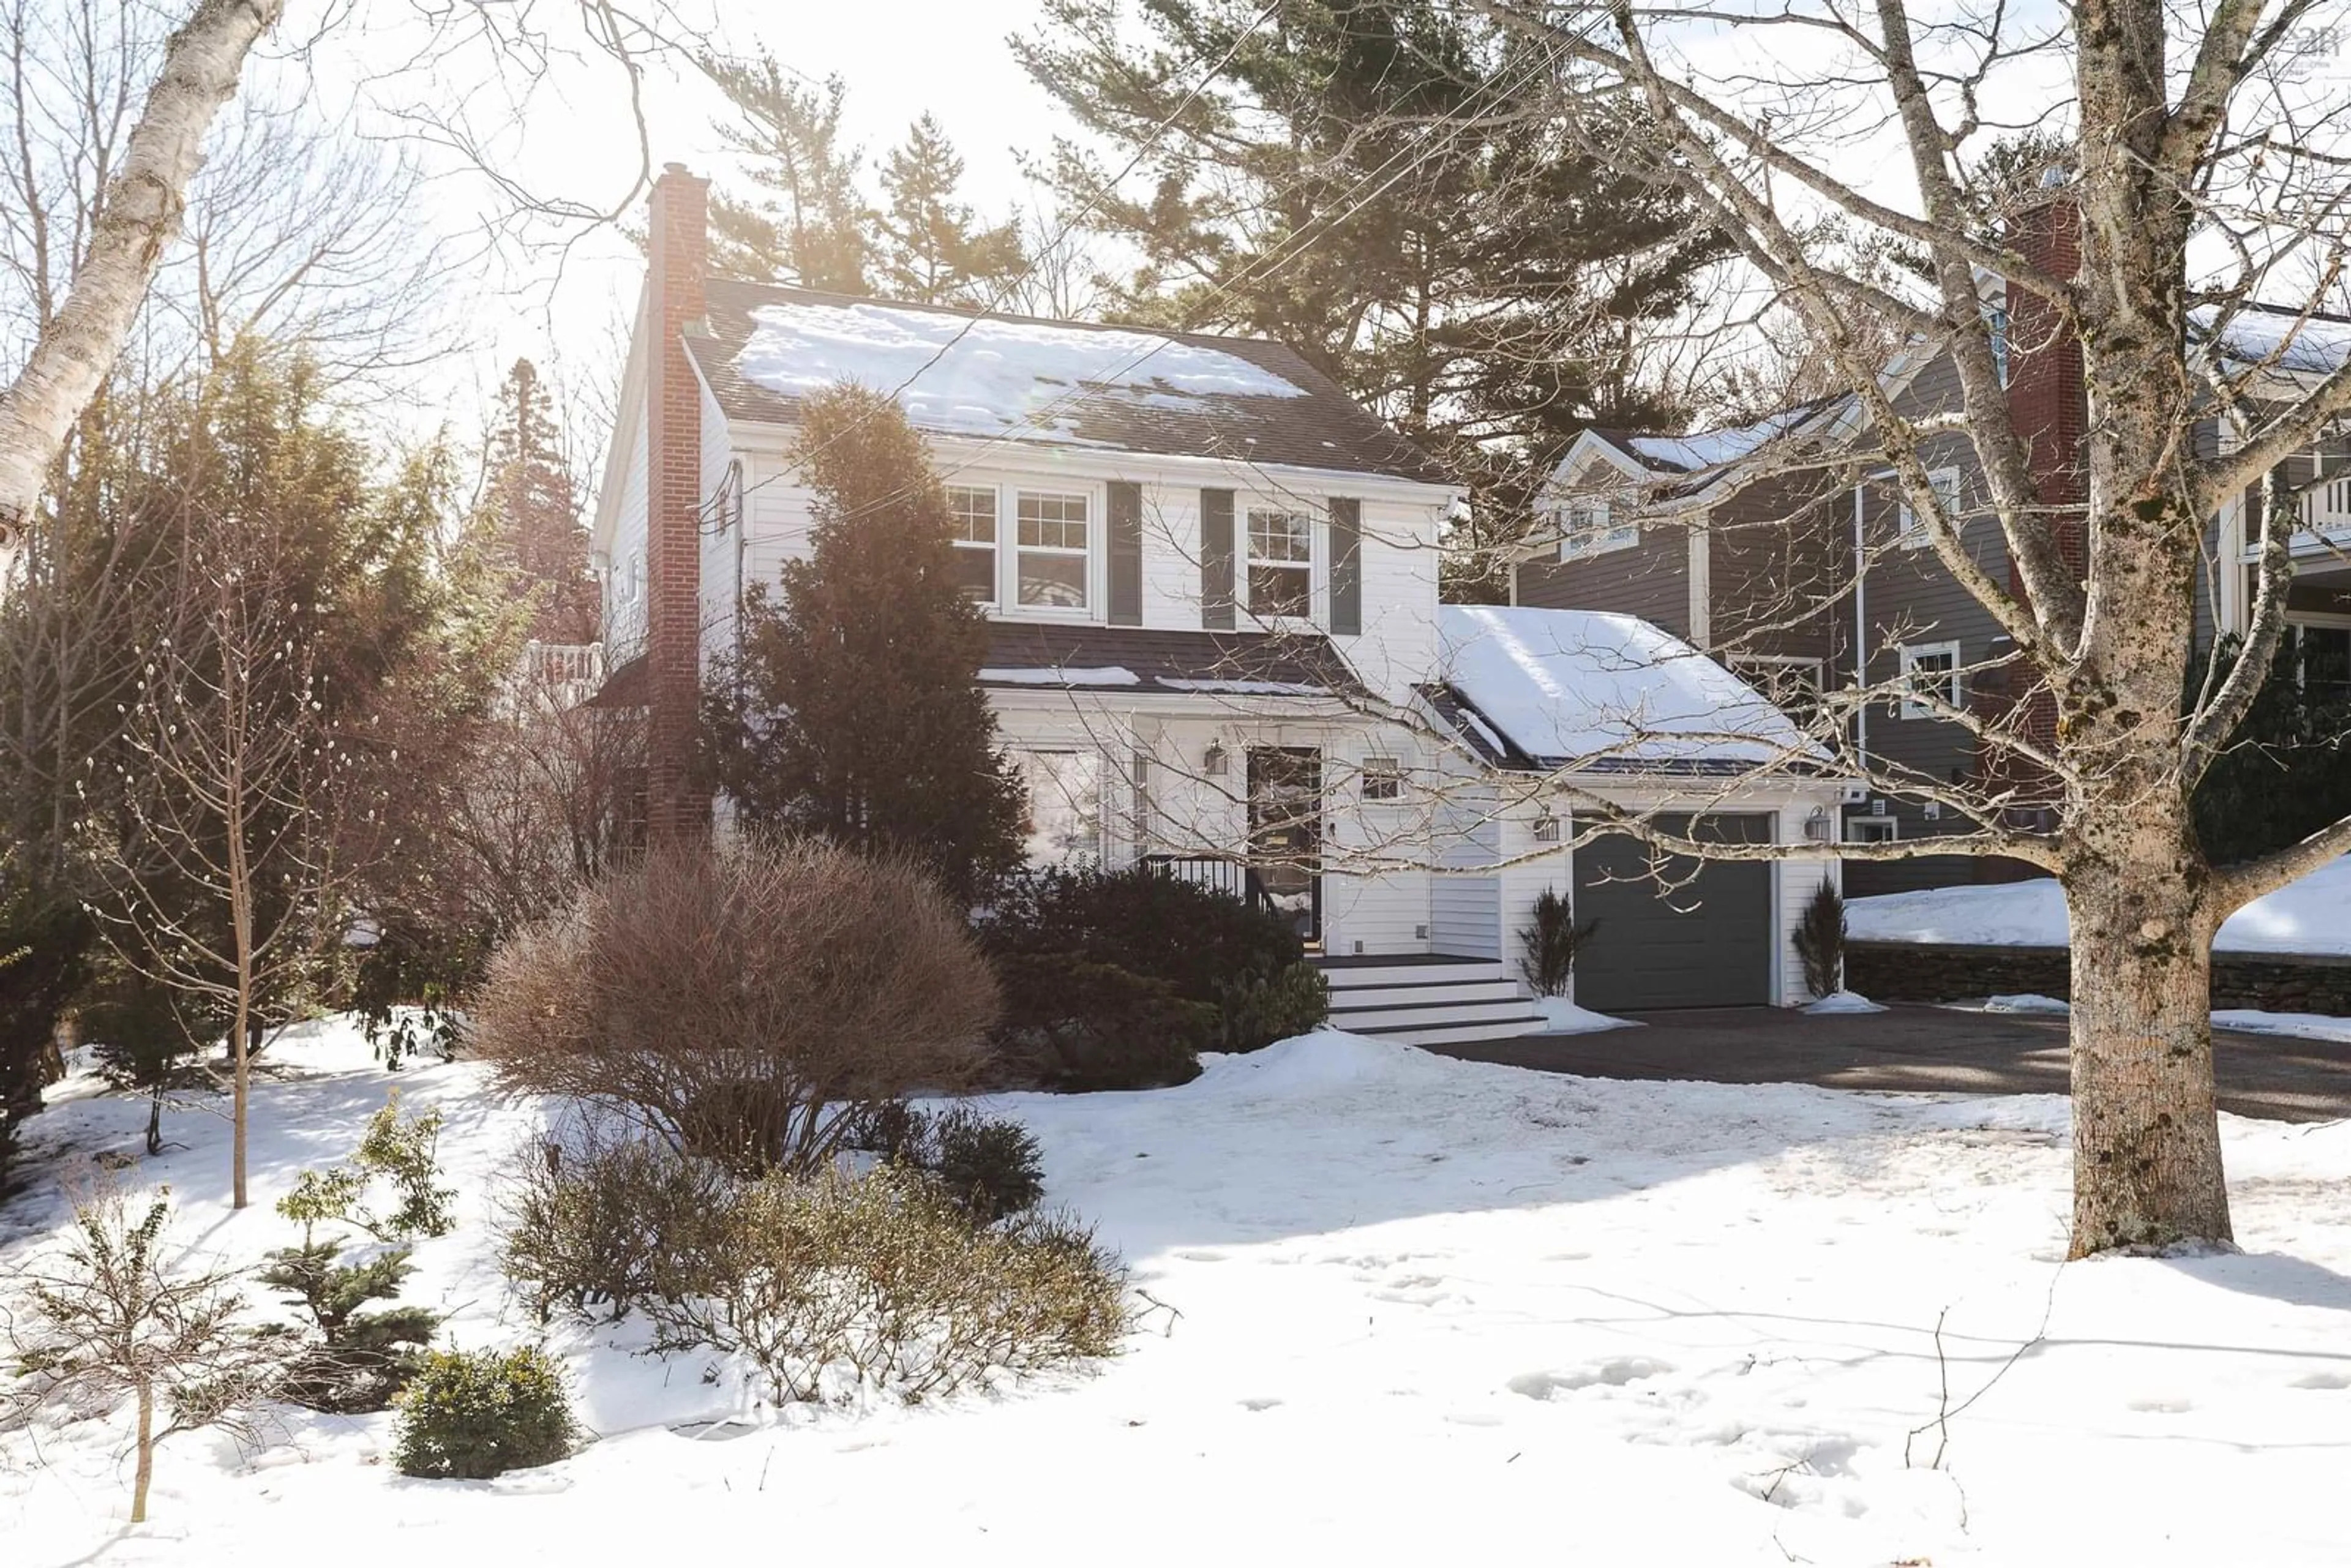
2048,400
679,249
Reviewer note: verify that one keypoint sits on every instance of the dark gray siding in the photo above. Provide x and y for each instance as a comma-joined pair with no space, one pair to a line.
1779,559
1650,580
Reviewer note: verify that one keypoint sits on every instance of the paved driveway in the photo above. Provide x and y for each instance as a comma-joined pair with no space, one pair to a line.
1911,1048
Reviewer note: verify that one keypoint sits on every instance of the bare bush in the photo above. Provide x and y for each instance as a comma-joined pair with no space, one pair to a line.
593,1219
883,1282
747,1003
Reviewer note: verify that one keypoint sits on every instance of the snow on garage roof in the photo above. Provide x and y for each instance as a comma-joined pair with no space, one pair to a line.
1590,689
1018,378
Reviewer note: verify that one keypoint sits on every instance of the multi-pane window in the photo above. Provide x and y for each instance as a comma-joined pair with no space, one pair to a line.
1945,483
1280,561
1052,554
2324,656
1594,528
1930,677
1383,778
972,509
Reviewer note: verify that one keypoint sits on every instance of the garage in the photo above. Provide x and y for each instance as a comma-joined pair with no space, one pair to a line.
1679,932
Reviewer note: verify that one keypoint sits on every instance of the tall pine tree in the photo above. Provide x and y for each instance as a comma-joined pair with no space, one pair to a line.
933,251
529,527
807,223
1374,184
851,710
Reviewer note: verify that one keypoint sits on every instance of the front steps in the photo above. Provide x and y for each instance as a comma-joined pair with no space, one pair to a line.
1428,1001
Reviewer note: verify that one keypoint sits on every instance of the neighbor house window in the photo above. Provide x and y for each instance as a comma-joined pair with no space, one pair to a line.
1383,778
1870,830
1065,805
1280,561
2323,656
1945,483
1594,528
972,509
1931,674
1052,555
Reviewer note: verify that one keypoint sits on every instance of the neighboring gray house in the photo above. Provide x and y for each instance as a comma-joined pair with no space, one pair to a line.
1757,545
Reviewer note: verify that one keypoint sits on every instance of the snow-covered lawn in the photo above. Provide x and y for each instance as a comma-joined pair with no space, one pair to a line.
2313,915
1415,1311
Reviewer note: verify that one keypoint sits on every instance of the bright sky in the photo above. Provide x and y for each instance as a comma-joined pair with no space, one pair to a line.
563,296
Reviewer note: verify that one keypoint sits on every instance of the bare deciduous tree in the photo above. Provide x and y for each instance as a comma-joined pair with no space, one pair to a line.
2196,176
110,1314
231,876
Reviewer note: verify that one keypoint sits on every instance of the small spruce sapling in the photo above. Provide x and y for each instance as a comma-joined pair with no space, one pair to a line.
359,1359
1820,941
1548,942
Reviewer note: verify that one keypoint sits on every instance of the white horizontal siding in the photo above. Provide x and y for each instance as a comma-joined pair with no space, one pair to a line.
624,594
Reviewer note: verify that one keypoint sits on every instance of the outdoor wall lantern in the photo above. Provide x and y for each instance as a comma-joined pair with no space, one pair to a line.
1213,764
1816,826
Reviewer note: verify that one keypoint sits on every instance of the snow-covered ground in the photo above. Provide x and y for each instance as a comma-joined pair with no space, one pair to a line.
1414,1309
2313,915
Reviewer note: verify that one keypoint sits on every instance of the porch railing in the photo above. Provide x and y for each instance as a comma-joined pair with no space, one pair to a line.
1236,878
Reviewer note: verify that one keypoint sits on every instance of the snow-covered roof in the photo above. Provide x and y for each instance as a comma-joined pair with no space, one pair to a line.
1059,383
1712,448
2273,335
1590,689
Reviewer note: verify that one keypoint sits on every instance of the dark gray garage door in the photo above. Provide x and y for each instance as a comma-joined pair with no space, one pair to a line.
1688,933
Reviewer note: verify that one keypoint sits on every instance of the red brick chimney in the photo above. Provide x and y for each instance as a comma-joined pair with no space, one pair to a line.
679,249
2048,399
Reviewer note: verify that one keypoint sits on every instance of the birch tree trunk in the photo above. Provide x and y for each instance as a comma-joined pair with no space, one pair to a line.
138,219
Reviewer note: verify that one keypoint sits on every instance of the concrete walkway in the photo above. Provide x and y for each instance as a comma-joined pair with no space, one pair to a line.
1939,1049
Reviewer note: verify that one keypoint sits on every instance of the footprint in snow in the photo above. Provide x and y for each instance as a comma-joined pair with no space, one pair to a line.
2162,1406
1261,1403
1199,1257
2324,1380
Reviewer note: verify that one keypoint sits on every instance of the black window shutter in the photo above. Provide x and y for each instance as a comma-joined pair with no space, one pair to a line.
1217,560
1346,566
1125,553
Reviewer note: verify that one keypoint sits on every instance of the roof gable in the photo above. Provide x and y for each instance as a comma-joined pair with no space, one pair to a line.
1057,384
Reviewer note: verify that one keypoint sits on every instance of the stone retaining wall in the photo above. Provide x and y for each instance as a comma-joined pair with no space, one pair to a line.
1930,972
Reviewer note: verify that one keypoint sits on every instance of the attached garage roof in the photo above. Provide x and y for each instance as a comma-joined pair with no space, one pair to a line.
1590,691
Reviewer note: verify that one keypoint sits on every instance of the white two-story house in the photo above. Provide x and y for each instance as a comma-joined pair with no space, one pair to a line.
1211,584
1208,571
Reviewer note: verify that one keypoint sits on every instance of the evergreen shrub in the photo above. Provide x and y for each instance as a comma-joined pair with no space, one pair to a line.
473,1415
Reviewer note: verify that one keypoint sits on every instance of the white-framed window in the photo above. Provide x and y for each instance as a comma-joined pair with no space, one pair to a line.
1280,577
1591,528
1931,674
1382,779
972,508
1945,483
1871,830
1065,805
1052,554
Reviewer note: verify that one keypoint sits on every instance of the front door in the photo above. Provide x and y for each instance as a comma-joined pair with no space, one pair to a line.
1285,808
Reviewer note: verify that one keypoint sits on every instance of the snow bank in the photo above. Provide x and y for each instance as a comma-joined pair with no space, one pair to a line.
2312,915
1023,379
1588,685
1405,1309
1560,1016
1845,1002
